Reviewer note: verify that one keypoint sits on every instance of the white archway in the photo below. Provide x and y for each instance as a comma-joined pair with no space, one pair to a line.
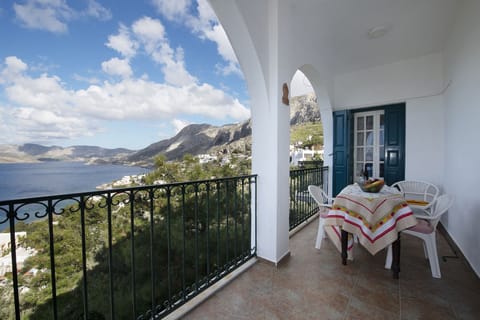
324,104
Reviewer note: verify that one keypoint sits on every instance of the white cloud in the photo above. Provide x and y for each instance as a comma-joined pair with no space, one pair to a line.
151,34
42,108
205,25
143,99
229,68
123,43
46,15
90,80
53,15
117,67
217,34
13,67
172,10
179,124
96,10
174,67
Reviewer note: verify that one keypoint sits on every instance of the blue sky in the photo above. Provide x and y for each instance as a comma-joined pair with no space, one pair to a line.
114,73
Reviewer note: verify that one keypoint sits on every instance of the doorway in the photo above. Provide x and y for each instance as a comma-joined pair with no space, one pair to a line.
372,139
369,145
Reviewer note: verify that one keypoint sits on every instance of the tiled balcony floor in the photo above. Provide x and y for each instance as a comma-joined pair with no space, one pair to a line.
313,284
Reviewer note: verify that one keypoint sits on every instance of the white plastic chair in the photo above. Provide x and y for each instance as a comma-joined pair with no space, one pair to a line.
324,204
426,230
419,194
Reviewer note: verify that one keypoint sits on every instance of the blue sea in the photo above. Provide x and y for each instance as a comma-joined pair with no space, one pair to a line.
26,180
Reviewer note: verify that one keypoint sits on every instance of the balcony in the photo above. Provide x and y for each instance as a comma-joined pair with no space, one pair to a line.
152,252
129,253
313,284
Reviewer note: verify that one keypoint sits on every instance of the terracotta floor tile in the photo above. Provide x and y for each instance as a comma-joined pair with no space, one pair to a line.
416,308
312,284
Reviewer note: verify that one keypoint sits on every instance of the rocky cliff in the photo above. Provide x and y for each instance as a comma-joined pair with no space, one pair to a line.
31,152
193,139
197,139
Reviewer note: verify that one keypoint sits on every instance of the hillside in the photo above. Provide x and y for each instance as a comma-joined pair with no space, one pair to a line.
193,139
203,138
197,139
30,152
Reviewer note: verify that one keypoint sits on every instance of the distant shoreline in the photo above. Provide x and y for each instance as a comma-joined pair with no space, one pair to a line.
30,180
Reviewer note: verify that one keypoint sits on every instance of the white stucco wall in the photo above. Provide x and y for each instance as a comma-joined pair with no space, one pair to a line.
425,139
419,83
442,128
395,82
442,121
462,152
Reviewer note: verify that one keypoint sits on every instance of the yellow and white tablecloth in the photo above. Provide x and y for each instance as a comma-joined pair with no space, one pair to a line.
375,218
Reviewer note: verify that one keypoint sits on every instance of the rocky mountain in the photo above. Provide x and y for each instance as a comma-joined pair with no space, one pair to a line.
304,109
30,152
193,139
203,138
197,139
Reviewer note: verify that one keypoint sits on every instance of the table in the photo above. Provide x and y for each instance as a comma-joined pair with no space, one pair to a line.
375,218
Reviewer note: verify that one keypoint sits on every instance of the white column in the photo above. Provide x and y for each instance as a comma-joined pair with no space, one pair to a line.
270,155
270,121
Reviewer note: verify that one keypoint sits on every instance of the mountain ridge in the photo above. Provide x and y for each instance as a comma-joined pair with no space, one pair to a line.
194,139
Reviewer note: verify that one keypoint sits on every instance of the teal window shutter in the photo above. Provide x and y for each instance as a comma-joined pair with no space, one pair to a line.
394,143
341,150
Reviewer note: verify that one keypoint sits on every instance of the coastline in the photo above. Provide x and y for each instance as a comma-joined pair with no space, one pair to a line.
28,180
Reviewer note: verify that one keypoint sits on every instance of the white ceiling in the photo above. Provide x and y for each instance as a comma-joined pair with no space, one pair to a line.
335,32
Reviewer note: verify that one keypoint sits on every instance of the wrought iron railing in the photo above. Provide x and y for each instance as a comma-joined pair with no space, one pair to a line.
302,205
131,253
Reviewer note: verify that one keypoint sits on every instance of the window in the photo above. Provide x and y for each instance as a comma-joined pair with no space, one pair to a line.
369,145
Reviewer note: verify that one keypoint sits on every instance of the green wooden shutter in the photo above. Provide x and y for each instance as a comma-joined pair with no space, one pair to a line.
394,143
341,148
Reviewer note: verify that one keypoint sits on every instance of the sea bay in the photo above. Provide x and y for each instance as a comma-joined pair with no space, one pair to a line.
26,180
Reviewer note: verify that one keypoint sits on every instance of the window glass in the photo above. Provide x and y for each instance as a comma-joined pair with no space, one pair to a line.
359,169
369,154
360,138
369,125
370,138
369,169
359,154
360,125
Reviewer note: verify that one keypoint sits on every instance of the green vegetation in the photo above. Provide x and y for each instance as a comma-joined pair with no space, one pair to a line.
197,230
310,134
190,169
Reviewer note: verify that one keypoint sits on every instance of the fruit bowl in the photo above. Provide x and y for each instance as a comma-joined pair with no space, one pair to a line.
372,185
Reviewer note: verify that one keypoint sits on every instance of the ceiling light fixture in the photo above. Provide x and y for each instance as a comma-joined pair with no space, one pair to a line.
377,32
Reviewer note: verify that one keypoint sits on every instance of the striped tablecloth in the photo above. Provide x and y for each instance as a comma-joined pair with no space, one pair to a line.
375,218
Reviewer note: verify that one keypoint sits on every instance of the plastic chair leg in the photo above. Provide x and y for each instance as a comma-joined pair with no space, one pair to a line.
320,233
431,244
425,251
389,258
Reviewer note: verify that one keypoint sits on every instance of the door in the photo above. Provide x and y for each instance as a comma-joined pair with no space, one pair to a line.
387,163
368,144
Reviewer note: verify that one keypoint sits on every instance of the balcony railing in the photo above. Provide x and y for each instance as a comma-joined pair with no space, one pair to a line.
131,253
302,205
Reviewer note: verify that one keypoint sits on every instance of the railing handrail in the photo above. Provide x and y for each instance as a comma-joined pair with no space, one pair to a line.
122,189
302,206
214,218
